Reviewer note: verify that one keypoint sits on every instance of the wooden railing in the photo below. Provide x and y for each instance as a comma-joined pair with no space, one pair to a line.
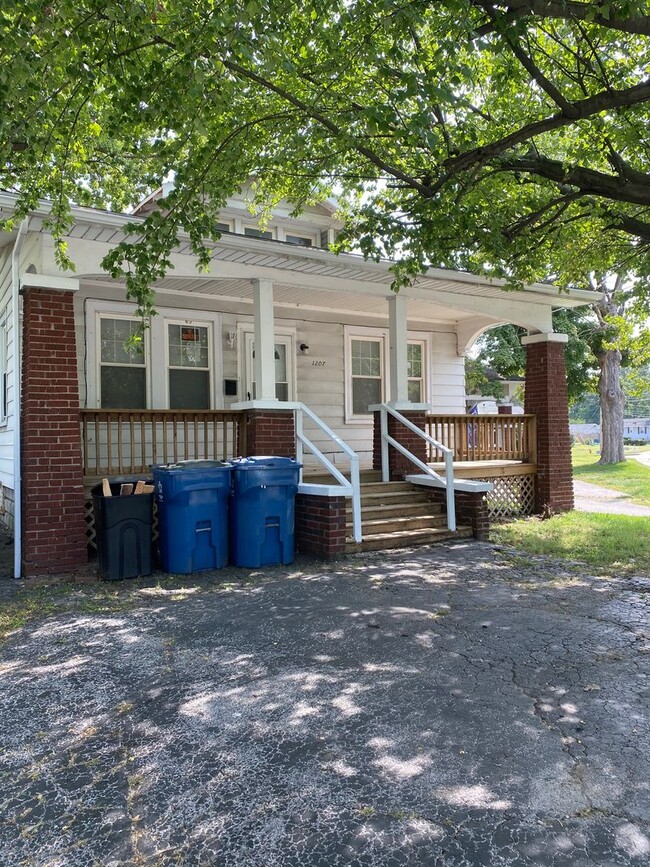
485,437
125,442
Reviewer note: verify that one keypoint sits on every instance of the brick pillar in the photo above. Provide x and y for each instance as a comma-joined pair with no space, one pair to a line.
398,464
321,525
270,432
471,510
53,531
546,398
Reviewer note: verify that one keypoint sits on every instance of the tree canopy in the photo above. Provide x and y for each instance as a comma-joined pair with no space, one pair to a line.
508,138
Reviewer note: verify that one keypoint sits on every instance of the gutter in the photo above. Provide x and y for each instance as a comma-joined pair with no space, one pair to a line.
15,327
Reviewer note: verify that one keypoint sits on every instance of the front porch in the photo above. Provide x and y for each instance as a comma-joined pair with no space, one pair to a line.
498,449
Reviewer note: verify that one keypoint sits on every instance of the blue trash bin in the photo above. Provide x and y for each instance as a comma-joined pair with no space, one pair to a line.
192,499
262,511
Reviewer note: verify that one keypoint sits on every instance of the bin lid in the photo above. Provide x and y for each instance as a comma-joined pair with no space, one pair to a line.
266,462
194,465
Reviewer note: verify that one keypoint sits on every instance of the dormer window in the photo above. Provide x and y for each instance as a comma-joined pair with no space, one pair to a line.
299,240
254,232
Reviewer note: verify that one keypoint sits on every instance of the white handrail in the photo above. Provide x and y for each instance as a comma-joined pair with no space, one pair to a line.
352,488
386,440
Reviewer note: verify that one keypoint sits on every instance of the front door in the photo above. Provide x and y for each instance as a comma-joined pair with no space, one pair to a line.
284,368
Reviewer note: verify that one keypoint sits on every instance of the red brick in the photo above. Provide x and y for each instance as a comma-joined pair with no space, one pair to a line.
54,537
546,398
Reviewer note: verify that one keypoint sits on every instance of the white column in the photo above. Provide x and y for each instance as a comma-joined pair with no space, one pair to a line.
397,346
264,361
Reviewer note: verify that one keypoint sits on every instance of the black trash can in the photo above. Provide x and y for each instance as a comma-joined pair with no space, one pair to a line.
123,527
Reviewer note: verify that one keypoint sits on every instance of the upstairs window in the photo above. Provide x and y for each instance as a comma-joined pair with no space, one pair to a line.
299,240
254,232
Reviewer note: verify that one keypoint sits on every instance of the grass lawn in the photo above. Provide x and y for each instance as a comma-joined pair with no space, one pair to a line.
630,478
612,544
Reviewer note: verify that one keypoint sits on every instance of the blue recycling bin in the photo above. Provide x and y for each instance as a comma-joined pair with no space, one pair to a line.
262,511
192,499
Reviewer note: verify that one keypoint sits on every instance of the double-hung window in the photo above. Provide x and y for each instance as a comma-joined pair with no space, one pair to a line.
415,361
367,371
4,371
122,370
188,366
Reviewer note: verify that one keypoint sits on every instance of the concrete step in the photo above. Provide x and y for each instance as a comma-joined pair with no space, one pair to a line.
407,538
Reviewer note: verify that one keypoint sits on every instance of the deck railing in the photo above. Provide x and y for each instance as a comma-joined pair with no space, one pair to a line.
125,442
484,437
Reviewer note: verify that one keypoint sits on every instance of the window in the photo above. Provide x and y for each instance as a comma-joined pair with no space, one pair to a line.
223,227
366,365
4,373
254,232
415,360
189,366
299,240
122,371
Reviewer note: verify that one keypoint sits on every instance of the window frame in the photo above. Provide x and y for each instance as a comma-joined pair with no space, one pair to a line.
155,350
189,323
124,317
270,230
353,332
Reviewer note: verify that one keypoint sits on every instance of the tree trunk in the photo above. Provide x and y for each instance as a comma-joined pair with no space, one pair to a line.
612,403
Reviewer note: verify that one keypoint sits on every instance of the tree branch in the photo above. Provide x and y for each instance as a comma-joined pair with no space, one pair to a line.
589,181
580,110
566,10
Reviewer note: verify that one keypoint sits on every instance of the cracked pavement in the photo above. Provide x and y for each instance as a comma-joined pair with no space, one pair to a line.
449,706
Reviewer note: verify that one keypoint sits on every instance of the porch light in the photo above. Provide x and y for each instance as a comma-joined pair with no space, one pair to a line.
231,337
304,348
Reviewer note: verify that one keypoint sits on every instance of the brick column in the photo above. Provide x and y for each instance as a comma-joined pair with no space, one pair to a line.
53,527
321,525
398,464
471,510
546,398
270,432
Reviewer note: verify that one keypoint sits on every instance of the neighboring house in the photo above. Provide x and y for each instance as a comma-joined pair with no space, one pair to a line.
585,432
278,323
636,429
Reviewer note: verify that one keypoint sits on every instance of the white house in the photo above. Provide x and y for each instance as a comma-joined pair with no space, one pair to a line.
279,332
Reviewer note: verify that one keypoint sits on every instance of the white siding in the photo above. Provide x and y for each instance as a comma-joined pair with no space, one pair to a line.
320,375
7,428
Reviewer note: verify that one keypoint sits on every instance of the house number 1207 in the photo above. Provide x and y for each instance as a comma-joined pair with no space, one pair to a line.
318,364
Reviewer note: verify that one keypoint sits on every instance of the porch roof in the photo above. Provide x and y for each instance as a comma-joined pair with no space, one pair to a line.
309,278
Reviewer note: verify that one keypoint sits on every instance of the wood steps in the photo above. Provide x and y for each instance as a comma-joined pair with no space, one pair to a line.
398,515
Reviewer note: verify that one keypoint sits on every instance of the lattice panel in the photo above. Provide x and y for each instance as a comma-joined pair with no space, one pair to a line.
91,534
511,496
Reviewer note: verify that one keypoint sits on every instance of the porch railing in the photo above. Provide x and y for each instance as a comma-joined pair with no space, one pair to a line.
117,442
484,437
446,482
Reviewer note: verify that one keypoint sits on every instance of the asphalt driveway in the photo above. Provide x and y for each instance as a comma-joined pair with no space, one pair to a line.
451,706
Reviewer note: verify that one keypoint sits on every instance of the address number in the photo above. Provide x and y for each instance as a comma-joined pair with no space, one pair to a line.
318,363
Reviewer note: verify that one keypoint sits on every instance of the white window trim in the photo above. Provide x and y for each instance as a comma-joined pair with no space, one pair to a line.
353,332
156,349
195,323
248,328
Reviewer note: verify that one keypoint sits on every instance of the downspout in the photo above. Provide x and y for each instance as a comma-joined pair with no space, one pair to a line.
15,327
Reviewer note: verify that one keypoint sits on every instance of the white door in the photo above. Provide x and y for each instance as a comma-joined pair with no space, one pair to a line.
284,368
